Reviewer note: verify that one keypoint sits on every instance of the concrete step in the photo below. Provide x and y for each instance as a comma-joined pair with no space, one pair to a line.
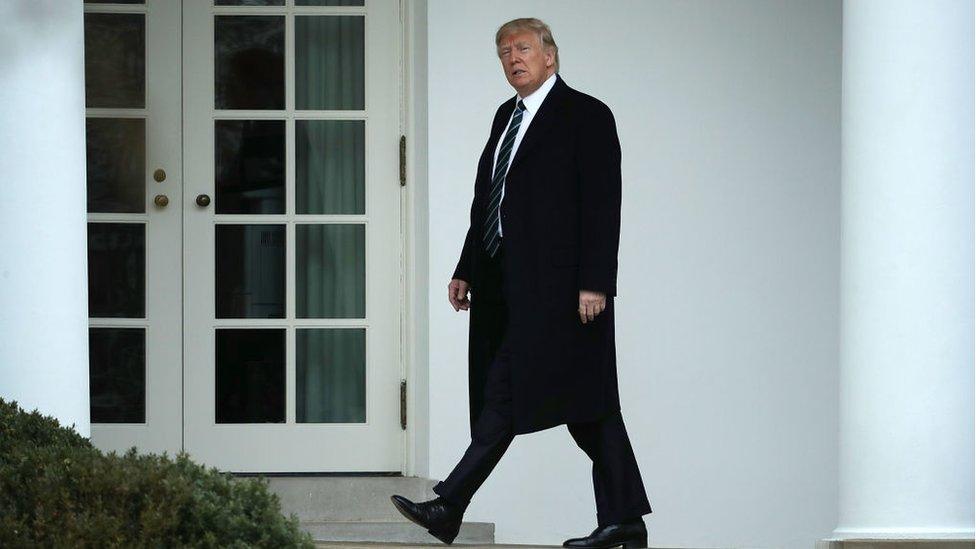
358,509
348,498
404,532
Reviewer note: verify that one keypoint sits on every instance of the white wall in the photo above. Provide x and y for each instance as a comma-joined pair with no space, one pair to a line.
43,222
729,121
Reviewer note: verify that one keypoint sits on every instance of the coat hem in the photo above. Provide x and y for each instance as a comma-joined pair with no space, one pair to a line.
525,429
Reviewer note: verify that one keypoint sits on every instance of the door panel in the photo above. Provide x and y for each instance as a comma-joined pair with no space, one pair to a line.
132,95
291,231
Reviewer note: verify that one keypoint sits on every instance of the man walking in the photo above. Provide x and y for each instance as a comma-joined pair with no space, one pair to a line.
540,262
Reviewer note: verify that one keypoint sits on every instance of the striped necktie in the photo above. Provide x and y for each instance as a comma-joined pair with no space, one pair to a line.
492,220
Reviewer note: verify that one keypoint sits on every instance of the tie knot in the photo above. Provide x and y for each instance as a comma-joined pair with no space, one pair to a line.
521,105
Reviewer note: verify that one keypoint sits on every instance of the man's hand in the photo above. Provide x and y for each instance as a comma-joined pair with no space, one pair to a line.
591,304
457,294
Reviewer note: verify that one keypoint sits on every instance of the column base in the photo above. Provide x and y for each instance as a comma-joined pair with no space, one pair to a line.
901,540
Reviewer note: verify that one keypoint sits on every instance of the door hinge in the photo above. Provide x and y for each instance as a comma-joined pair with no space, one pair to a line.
403,160
403,404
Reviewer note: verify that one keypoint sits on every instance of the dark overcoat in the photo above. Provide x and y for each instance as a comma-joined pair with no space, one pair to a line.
561,227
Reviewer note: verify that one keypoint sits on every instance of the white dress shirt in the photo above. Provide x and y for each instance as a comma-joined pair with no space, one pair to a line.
532,104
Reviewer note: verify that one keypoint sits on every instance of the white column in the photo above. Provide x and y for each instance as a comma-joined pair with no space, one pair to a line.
906,335
43,242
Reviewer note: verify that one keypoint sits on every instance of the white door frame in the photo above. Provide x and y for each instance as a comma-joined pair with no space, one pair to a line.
416,281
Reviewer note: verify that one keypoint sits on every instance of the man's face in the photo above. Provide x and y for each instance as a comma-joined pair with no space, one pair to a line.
524,61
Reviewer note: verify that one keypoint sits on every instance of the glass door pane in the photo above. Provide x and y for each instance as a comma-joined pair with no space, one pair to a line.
330,167
249,62
116,163
250,160
330,383
115,60
330,62
330,270
250,376
250,268
117,270
117,375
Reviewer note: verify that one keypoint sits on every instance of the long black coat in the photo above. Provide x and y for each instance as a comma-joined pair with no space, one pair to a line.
561,222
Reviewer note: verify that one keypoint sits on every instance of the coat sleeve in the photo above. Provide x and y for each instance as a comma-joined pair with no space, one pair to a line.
599,186
463,269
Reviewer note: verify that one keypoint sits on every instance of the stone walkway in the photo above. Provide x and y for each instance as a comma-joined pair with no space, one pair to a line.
366,545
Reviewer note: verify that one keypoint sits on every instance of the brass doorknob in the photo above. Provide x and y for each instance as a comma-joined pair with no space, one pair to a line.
203,200
159,175
161,200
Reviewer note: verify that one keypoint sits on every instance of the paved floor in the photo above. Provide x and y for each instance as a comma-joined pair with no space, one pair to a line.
382,545
365,545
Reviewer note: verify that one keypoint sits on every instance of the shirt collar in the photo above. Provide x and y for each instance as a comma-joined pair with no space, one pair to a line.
534,100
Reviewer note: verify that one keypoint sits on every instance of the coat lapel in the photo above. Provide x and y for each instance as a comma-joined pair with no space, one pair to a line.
542,121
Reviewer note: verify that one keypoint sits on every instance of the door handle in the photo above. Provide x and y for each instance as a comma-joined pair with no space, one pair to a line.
203,200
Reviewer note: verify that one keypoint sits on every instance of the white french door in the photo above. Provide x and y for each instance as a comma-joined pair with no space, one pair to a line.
134,196
291,235
244,231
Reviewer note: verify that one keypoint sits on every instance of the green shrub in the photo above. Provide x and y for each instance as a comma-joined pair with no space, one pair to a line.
57,490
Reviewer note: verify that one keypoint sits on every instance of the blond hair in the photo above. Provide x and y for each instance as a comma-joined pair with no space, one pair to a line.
530,24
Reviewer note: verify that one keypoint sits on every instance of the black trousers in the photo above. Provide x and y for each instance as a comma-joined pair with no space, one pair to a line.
617,483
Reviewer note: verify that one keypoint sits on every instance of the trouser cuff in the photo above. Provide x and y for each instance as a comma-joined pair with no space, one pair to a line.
441,491
618,517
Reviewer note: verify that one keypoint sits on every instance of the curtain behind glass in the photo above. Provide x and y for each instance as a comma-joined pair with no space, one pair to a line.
330,170
330,179
330,375
330,62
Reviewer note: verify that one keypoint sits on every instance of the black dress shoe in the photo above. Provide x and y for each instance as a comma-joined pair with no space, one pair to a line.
631,534
441,518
